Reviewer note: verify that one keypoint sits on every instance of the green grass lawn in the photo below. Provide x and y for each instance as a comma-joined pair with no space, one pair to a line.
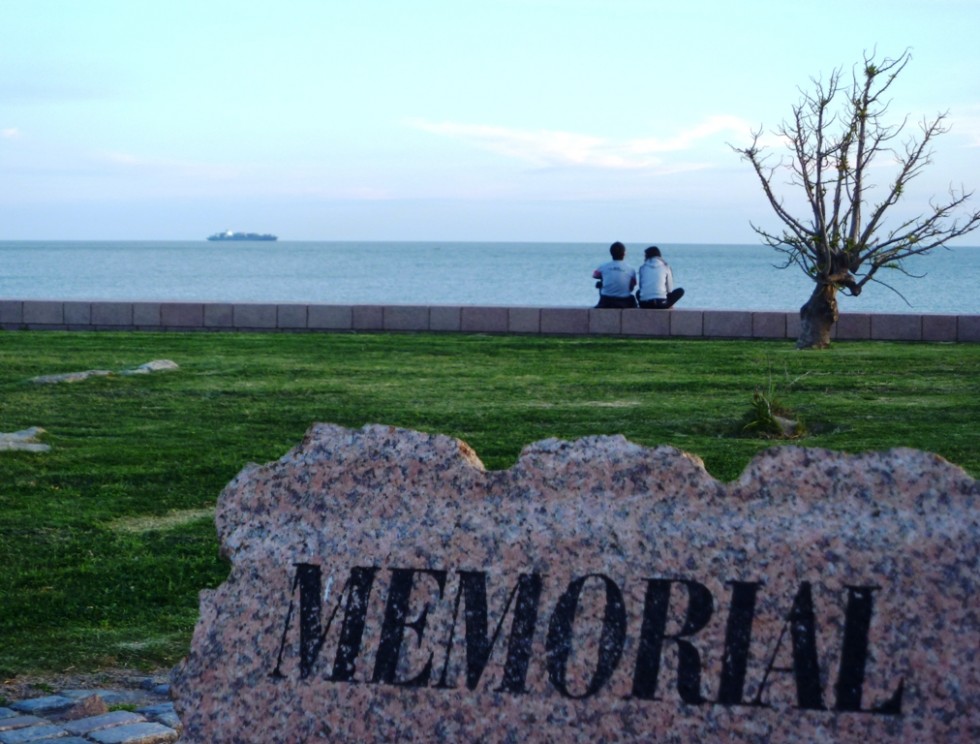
106,540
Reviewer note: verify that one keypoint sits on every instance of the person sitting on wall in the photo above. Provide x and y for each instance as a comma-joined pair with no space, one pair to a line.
617,280
656,291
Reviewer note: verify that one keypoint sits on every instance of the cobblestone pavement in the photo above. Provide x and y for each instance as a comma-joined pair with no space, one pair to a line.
138,714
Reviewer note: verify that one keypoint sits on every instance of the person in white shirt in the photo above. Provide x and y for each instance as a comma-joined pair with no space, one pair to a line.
617,279
657,282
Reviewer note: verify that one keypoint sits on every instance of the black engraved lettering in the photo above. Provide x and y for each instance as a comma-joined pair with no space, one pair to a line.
653,634
854,656
311,634
358,587
559,641
738,637
473,595
394,624
805,669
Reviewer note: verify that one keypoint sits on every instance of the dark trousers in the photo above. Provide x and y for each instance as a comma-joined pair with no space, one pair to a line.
672,297
621,302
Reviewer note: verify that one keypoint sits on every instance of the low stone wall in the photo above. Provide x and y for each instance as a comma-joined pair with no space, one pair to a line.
686,323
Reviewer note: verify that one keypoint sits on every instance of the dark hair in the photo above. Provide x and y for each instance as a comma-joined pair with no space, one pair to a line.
651,252
617,250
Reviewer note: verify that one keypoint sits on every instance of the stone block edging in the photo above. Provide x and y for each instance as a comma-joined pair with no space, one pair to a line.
558,321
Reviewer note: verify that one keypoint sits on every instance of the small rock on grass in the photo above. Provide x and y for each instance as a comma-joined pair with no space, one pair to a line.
25,440
157,365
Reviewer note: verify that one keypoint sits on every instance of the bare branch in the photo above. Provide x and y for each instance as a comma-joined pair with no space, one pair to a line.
917,157
888,286
836,135
758,162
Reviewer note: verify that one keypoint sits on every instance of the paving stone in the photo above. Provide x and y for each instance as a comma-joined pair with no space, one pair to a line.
63,740
42,705
330,317
727,324
118,314
109,697
86,707
170,719
366,317
968,328
182,314
163,713
444,318
137,733
18,721
523,320
481,319
406,318
11,311
291,316
85,726
7,713
43,312
154,683
31,734
82,694
567,320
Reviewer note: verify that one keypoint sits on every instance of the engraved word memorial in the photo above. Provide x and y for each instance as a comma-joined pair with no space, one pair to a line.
385,587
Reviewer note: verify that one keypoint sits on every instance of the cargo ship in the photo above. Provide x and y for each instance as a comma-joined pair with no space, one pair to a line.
231,235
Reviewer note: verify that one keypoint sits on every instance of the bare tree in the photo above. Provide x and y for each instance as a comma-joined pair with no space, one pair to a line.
836,132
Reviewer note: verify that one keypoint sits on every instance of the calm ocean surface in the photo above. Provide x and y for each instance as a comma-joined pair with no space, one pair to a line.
511,274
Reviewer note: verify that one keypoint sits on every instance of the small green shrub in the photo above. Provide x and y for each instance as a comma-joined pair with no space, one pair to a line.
769,418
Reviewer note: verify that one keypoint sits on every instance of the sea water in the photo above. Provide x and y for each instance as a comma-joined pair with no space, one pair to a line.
744,277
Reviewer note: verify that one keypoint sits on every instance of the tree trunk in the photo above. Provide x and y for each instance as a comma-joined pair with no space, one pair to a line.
817,318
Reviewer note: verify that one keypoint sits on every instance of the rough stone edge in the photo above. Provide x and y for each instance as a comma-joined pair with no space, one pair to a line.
760,475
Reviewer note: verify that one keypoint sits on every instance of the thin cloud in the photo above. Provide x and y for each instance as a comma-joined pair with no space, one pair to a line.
690,138
9,133
558,149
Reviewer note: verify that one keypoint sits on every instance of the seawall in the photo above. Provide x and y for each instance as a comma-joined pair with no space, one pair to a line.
687,323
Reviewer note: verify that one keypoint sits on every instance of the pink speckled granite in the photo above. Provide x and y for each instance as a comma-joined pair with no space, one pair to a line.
385,587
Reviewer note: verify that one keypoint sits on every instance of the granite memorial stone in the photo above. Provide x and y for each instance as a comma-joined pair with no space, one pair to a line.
385,587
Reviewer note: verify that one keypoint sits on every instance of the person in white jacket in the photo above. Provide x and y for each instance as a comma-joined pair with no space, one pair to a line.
656,282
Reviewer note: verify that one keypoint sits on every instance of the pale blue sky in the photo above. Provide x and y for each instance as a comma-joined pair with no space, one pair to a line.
563,120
